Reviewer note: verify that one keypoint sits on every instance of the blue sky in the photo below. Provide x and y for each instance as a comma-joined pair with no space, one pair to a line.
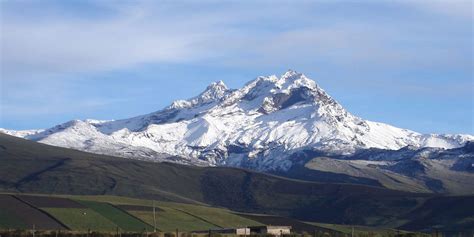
406,63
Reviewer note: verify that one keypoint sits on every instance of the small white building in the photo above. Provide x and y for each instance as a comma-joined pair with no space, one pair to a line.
245,231
271,230
242,231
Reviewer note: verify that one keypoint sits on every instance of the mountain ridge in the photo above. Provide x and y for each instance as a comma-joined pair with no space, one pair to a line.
259,125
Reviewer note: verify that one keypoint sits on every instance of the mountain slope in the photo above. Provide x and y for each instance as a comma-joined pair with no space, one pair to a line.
258,126
28,166
417,170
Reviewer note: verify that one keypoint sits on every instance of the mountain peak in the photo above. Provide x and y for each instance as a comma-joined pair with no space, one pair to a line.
217,85
213,92
291,73
293,79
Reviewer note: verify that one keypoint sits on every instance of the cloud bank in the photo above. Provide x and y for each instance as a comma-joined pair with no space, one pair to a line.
127,34
50,49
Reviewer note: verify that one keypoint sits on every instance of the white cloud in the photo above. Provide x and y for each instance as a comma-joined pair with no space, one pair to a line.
73,46
145,32
43,46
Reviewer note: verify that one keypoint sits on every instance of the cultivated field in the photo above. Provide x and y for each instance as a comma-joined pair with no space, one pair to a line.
109,214
171,215
119,217
18,214
74,215
81,219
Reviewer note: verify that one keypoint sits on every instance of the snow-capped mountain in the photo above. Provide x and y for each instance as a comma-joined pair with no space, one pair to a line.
258,126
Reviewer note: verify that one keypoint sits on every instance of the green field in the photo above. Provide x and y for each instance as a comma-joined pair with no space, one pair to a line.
82,219
9,220
112,213
170,219
217,216
103,213
208,217
119,217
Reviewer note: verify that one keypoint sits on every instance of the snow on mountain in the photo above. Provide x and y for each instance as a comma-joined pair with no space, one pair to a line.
409,169
20,133
256,126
